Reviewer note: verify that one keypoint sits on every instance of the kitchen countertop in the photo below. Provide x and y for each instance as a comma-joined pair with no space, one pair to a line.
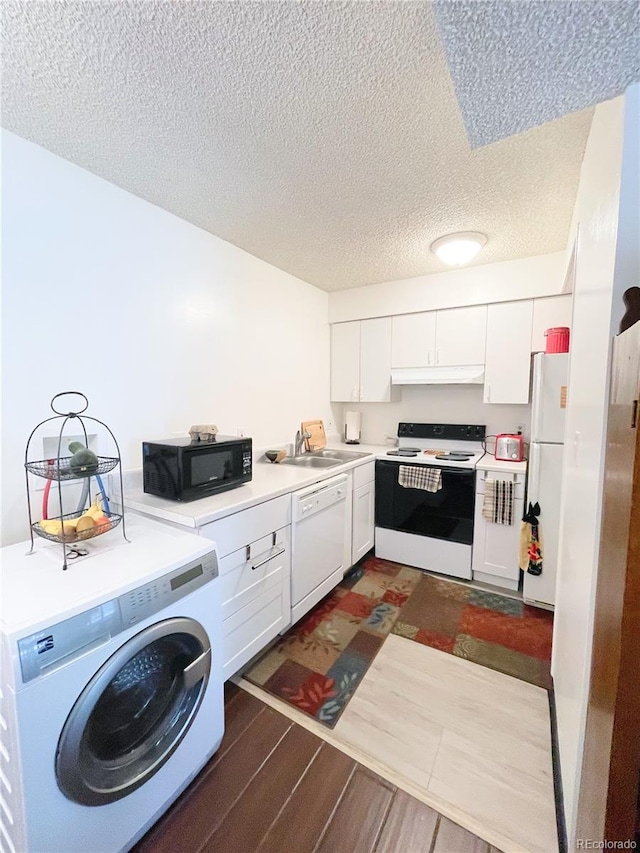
270,480
489,463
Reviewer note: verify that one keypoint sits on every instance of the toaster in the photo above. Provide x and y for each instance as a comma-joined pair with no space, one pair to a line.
509,447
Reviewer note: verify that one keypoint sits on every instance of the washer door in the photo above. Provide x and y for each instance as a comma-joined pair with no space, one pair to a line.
134,712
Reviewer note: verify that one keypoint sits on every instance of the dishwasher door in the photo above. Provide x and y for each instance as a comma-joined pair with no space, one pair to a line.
319,532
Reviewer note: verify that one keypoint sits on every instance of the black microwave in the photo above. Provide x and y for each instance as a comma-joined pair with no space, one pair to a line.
183,470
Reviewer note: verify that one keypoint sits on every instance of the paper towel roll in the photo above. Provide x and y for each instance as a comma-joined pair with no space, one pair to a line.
352,427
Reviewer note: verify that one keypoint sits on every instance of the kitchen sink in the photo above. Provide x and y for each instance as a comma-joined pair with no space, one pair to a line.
342,455
310,460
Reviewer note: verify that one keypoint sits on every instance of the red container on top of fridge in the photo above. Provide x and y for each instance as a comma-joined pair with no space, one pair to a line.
557,339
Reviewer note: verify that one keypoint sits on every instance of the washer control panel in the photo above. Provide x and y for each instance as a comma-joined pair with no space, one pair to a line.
57,644
148,599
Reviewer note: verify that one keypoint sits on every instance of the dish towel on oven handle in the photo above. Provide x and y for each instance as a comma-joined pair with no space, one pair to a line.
497,506
420,477
531,541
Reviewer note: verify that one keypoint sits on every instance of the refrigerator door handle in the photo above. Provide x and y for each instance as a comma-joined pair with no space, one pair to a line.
534,474
536,421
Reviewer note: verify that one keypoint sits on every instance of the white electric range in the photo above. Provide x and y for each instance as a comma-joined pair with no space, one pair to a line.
424,518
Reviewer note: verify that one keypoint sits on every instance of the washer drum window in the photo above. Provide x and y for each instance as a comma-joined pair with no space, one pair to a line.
134,712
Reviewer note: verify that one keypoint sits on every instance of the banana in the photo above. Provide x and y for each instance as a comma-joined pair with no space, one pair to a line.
53,526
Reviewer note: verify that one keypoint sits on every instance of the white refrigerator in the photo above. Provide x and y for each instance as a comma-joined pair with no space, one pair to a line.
550,374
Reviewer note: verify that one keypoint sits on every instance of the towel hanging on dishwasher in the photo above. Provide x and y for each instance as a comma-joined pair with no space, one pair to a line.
420,477
497,506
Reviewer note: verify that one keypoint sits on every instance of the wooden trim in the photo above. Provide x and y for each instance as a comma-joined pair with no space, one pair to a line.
624,767
608,797
561,822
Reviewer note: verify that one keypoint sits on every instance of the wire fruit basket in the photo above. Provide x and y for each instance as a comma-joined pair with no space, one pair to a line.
81,467
71,534
61,469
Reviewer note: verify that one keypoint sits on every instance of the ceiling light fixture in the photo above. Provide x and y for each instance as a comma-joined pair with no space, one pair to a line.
458,249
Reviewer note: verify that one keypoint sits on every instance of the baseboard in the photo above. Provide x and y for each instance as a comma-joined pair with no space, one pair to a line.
563,845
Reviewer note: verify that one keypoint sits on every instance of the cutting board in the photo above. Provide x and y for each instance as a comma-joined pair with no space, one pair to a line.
318,438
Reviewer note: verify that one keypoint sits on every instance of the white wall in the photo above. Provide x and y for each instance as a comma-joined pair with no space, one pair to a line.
436,404
160,323
597,216
525,278
627,270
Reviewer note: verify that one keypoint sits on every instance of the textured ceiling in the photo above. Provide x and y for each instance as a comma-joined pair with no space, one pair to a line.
325,138
516,65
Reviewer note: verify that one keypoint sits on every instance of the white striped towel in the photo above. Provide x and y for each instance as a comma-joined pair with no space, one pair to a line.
497,506
420,477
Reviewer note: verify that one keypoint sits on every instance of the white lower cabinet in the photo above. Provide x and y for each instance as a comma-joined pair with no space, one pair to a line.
496,546
254,552
363,518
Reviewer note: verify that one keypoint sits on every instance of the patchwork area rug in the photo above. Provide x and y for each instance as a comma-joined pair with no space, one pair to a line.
494,630
318,663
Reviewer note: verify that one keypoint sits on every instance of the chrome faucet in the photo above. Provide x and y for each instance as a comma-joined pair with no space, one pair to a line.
300,437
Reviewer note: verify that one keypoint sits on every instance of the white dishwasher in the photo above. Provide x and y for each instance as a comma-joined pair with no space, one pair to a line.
319,529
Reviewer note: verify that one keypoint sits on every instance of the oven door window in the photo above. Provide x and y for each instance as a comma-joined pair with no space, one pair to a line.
134,712
211,466
445,514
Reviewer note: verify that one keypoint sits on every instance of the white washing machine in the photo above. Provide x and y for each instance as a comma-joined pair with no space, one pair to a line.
112,690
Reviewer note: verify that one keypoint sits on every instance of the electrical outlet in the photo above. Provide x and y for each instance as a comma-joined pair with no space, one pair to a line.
50,451
520,428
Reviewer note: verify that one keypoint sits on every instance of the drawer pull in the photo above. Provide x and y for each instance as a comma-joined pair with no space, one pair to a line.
270,557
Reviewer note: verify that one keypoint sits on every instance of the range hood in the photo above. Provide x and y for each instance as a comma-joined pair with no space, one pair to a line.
466,374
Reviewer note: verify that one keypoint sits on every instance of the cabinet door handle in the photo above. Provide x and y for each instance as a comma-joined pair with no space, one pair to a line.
429,357
489,393
270,557
362,392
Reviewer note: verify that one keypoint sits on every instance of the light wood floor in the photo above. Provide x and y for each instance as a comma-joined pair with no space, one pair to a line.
472,743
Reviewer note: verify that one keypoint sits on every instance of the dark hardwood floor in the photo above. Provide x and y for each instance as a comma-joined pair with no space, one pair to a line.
274,787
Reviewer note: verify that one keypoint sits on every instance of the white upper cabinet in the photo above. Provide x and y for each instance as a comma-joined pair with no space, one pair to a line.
413,340
450,337
508,359
345,362
375,360
361,361
548,313
500,335
461,335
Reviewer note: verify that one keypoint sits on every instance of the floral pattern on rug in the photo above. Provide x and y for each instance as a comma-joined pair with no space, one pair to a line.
318,664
